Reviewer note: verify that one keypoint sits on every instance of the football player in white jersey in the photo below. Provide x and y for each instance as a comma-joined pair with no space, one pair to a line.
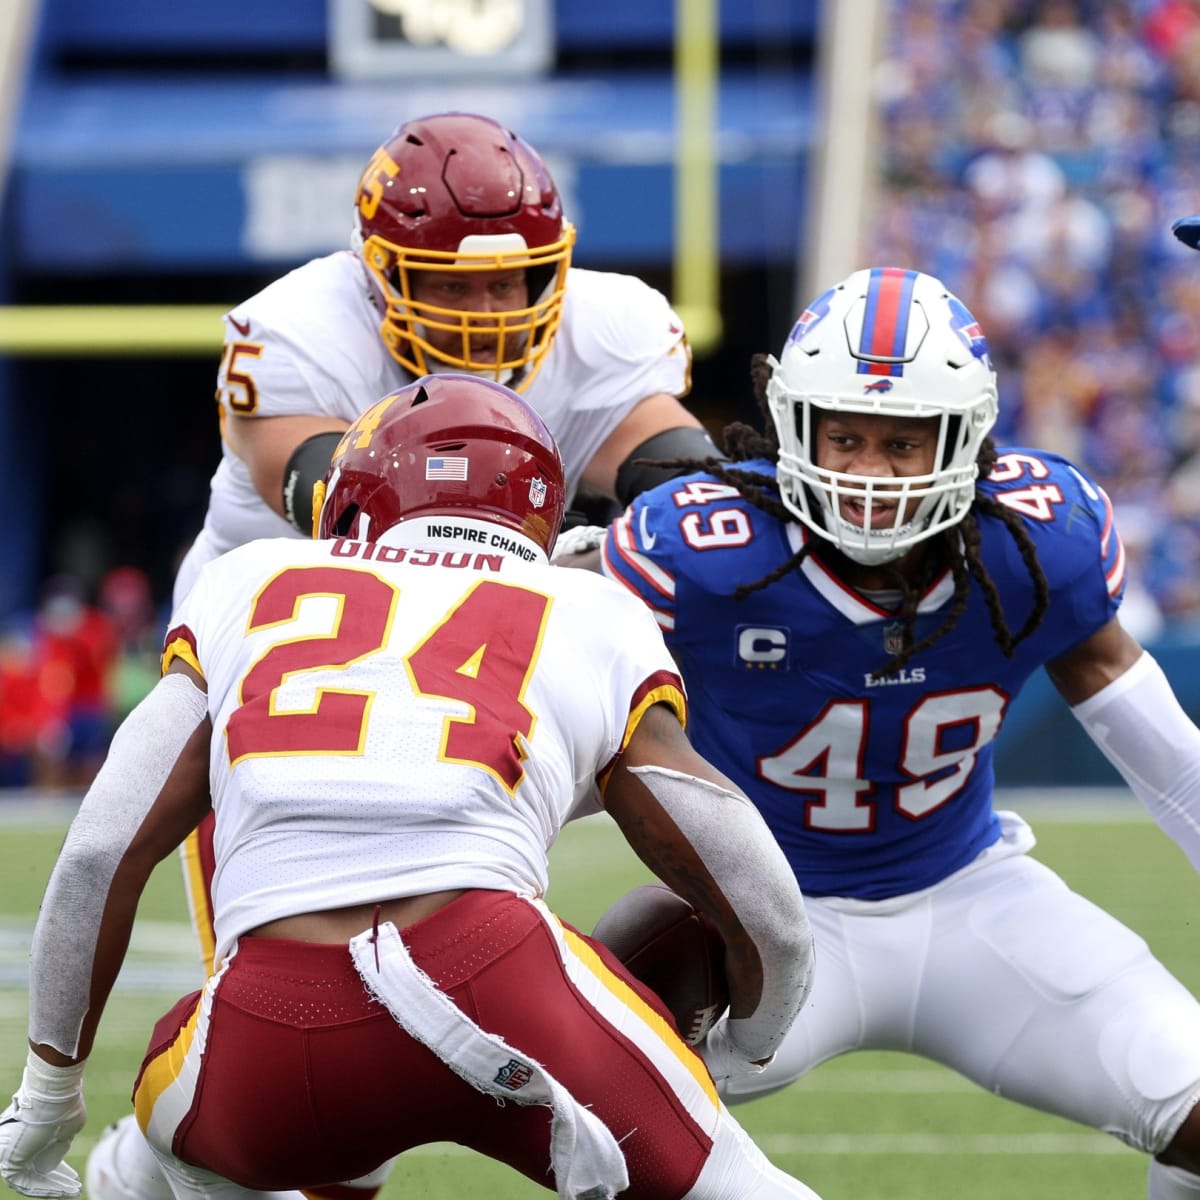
393,722
460,261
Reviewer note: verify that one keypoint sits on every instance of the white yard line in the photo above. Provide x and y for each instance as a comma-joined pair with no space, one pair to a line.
162,957
940,1144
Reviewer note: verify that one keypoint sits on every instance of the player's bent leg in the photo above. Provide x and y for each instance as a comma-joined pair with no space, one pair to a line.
1040,996
192,1183
122,1166
366,1187
535,1013
1171,1183
1175,1174
738,1170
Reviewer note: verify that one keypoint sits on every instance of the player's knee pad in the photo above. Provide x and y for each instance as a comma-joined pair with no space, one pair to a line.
122,1166
1152,1053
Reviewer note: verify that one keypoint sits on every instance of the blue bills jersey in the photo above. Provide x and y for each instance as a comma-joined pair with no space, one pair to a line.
874,787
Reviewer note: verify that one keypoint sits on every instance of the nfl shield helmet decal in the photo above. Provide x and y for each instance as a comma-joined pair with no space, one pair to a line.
537,492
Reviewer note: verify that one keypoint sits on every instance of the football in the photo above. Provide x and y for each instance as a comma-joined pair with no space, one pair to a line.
674,950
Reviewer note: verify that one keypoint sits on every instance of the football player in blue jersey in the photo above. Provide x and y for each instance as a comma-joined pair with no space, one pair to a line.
855,599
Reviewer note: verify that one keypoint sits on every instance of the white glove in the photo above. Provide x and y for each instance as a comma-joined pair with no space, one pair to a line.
36,1130
723,1058
577,540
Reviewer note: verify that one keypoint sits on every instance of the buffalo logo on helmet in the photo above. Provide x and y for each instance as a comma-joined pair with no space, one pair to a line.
969,331
880,385
812,316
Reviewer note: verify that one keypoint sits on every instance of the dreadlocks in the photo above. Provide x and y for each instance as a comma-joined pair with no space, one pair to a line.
959,547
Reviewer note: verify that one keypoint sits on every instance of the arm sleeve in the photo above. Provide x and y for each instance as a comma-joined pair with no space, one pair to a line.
746,863
65,939
1141,727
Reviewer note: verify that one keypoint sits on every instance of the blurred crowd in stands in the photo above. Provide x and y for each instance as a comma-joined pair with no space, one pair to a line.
69,675
1035,153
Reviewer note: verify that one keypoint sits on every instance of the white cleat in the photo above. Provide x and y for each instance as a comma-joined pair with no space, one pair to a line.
123,1167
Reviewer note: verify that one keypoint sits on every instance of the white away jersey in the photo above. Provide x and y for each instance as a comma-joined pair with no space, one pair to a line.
390,720
309,344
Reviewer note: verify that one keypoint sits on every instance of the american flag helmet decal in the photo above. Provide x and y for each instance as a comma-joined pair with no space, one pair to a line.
447,467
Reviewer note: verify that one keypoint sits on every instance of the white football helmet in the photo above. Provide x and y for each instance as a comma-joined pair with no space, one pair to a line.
895,343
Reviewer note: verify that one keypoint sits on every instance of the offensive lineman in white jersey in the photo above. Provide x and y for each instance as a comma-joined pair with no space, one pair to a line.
460,261
393,723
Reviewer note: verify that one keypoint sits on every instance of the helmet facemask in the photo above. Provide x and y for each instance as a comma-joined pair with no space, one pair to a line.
831,364
517,339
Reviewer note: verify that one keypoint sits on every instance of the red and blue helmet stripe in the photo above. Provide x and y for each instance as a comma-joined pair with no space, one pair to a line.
885,320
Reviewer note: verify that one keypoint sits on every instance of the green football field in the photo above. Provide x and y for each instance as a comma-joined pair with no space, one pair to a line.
862,1126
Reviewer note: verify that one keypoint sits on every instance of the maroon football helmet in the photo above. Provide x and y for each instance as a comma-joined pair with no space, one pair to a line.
447,445
456,192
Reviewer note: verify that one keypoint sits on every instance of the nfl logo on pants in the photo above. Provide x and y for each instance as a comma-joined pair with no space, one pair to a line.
514,1075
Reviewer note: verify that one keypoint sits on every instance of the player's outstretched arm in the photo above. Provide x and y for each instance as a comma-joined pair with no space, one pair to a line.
150,793
273,448
1119,694
703,838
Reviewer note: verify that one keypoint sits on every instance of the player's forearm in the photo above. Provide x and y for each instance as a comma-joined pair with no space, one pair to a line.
112,846
1139,724
724,860
266,445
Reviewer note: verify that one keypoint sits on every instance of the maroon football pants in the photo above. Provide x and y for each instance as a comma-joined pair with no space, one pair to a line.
304,1080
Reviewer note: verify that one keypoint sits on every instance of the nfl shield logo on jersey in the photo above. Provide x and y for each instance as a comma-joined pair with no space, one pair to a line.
514,1075
893,637
537,492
